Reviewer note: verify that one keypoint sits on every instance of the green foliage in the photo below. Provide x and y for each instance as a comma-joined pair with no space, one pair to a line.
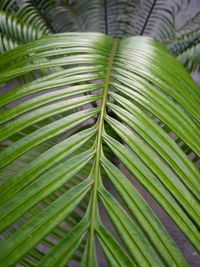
83,117
61,131
26,20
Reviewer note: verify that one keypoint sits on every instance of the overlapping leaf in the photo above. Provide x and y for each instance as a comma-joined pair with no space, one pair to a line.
107,102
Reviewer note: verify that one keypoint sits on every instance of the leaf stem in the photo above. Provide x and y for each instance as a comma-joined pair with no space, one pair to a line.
148,17
106,16
96,170
74,15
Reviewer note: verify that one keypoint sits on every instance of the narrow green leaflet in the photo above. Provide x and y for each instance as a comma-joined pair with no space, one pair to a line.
143,214
156,188
42,187
138,247
38,227
65,249
113,251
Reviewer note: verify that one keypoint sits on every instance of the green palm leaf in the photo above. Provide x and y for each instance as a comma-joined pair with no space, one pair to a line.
55,199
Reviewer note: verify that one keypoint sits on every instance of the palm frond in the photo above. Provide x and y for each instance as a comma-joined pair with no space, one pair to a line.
15,29
155,18
55,198
99,16
74,16
186,45
20,23
118,16
187,49
27,12
6,43
191,24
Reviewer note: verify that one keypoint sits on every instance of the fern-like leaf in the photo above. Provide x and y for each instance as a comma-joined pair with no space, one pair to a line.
51,208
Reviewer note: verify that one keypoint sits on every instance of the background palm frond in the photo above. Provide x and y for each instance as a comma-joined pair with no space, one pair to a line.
187,43
20,22
186,48
155,18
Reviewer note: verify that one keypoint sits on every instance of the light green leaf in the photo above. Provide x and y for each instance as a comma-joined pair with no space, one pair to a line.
94,104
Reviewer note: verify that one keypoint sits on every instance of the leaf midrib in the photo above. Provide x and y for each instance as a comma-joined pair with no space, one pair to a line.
148,17
98,148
